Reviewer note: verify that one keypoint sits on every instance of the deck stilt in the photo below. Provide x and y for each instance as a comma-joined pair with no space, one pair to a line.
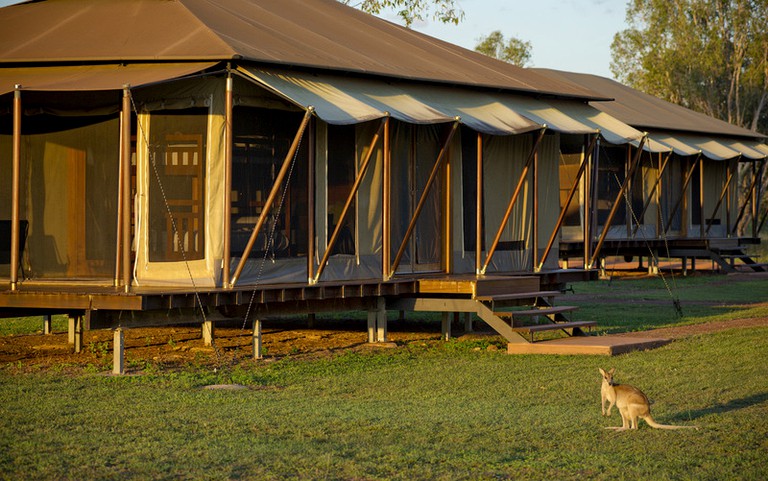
118,348
377,322
76,326
208,333
256,339
47,324
446,326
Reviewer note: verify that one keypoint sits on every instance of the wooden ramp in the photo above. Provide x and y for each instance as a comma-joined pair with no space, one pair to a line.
594,345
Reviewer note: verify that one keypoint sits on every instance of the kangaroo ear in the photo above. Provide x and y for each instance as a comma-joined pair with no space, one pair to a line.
601,371
613,369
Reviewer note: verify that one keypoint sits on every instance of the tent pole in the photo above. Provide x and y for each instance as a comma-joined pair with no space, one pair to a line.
535,192
119,234
272,195
479,207
15,188
701,198
431,180
228,138
589,201
447,225
725,189
652,193
348,203
571,192
687,181
756,198
616,203
311,205
386,200
513,200
126,196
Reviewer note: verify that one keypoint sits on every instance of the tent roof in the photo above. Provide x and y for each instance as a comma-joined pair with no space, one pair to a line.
319,34
647,112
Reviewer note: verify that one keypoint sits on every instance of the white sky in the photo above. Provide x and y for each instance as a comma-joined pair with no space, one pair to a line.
572,35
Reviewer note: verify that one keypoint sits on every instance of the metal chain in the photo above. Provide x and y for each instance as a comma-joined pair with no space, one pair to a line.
271,236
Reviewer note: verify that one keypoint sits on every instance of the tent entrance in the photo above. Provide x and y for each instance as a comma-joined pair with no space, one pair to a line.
414,152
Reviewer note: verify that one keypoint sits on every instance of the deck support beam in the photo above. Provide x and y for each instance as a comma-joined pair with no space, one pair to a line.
445,325
377,321
76,333
256,340
208,333
47,324
118,349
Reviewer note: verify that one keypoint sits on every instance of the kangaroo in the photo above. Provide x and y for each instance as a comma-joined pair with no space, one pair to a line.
631,403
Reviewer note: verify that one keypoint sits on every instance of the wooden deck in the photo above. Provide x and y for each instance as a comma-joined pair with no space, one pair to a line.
590,345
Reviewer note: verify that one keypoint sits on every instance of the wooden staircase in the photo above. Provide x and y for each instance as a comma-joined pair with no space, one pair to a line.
520,316
728,259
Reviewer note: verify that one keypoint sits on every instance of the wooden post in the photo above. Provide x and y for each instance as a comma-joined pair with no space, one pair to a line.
446,325
120,193
228,141
126,184
386,195
208,333
377,321
701,198
256,339
468,322
311,205
381,320
271,198
15,189
118,358
479,207
47,324
78,333
535,227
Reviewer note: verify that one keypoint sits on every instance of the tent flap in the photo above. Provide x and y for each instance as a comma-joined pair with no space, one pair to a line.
93,77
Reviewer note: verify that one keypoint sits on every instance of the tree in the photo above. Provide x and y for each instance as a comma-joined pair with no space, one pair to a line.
410,11
708,55
514,50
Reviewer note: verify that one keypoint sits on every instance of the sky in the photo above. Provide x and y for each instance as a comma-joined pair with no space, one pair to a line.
573,35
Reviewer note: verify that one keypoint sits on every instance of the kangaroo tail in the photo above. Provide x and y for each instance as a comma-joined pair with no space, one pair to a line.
656,425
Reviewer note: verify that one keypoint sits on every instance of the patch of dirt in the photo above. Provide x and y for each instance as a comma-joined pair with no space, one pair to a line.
179,346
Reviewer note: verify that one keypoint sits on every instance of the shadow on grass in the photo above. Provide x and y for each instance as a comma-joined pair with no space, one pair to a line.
732,405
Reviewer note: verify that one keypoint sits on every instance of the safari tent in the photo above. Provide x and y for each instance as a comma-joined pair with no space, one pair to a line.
189,161
680,198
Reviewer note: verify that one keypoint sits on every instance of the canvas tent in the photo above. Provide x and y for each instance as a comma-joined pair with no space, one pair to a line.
688,189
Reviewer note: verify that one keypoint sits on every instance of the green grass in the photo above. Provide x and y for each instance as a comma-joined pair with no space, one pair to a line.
419,412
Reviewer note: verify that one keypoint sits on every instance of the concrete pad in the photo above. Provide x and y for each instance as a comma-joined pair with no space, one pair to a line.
590,345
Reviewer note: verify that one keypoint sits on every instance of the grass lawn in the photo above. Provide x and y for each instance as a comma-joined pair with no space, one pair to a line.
420,411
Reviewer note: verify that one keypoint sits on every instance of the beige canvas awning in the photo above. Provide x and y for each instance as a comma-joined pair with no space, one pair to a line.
342,100
93,77
346,100
691,145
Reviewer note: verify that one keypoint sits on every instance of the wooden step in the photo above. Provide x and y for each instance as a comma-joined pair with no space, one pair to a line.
531,330
543,311
519,295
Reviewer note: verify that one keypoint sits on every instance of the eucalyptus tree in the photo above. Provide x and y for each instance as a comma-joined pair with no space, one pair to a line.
410,11
708,55
512,50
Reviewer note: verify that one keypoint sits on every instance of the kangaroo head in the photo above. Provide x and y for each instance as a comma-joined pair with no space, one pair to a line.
608,376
